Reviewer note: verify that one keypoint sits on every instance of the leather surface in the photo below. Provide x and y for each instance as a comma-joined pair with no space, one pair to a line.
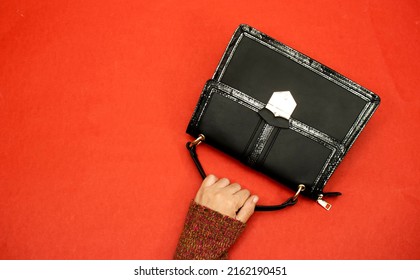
331,112
259,71
269,118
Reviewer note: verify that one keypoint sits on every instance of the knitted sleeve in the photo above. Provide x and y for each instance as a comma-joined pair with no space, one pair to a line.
207,234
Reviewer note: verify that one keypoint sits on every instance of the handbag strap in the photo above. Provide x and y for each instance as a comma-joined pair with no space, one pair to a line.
192,148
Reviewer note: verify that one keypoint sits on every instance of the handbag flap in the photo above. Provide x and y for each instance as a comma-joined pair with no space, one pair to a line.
258,65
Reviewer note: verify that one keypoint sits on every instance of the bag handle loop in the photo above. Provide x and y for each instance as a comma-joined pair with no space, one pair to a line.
192,148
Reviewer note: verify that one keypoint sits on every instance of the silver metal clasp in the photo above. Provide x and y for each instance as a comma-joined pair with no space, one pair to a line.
281,104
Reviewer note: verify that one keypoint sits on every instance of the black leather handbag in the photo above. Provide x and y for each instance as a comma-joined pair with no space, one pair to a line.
280,112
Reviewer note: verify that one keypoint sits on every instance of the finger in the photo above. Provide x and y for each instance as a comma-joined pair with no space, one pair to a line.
241,197
209,180
248,209
221,183
233,188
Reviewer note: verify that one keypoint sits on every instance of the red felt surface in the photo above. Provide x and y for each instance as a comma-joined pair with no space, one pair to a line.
95,97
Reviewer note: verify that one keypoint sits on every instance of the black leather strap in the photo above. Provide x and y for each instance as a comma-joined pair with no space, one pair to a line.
193,153
194,156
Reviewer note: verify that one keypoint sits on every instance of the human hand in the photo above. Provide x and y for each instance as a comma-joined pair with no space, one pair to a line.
226,198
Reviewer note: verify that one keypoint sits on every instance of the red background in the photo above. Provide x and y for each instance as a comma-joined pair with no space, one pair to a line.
95,97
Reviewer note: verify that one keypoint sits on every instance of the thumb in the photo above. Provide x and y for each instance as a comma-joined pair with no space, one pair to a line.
248,209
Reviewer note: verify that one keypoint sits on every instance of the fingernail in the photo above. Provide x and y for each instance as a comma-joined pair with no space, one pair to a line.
255,199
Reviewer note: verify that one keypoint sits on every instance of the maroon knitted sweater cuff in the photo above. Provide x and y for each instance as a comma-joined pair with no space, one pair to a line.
207,234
